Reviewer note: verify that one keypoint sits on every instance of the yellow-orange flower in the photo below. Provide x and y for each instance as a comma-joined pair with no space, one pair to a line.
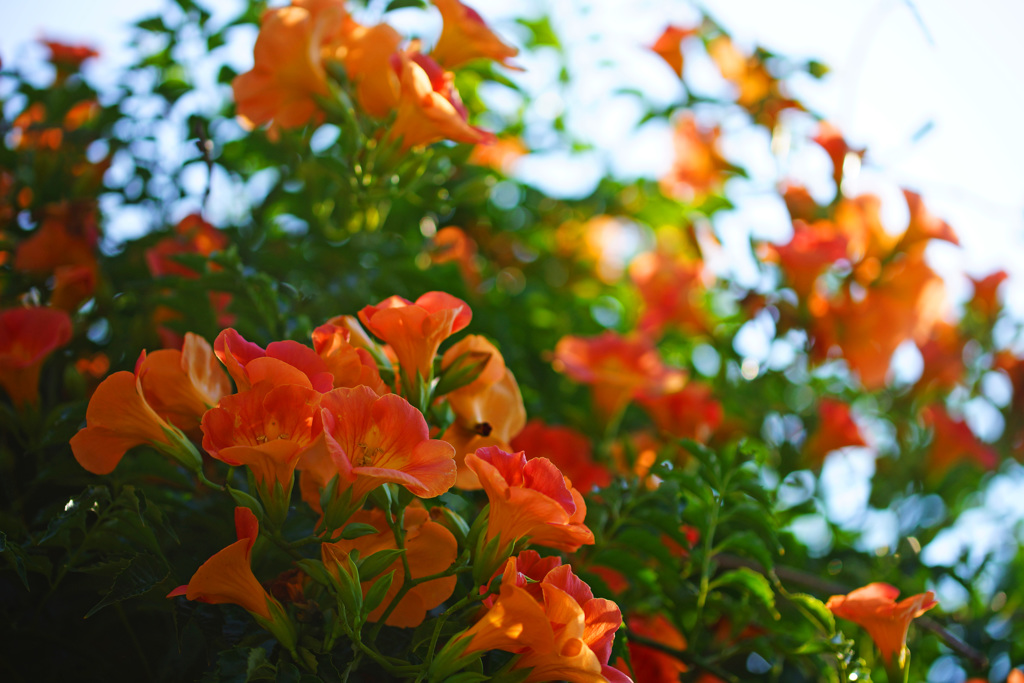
429,549
288,71
265,428
565,636
366,52
182,385
875,609
618,369
369,440
429,107
530,499
465,36
416,330
27,337
283,362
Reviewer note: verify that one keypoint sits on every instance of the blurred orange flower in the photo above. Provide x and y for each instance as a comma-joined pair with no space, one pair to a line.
690,413
565,636
67,236
192,235
530,499
266,428
69,56
72,285
568,449
500,155
27,337
986,294
465,37
429,107
287,72
370,440
832,141
453,245
416,330
875,609
836,429
672,289
618,369
283,362
650,665
429,549
942,353
923,225
668,46
953,442
698,168
366,52
812,250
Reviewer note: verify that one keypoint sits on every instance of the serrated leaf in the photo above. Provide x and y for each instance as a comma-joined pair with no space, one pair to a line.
143,573
755,584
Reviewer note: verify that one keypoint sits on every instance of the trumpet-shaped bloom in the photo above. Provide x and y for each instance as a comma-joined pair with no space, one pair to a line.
227,576
182,385
415,330
118,418
287,72
429,549
617,368
350,366
266,428
530,499
370,440
569,450
429,107
465,37
366,52
283,362
875,609
27,337
565,636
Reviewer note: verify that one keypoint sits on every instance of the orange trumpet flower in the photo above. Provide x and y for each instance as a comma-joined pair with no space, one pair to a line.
668,46
415,330
27,337
569,450
182,385
350,366
530,499
875,609
370,440
465,37
429,549
283,362
227,578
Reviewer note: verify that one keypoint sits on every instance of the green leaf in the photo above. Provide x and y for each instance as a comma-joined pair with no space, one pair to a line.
541,33
402,4
154,24
357,529
815,608
374,564
15,557
755,584
747,543
143,573
377,591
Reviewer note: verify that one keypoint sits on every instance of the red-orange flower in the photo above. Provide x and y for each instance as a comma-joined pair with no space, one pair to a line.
832,141
429,549
836,429
530,499
565,636
182,385
690,413
568,449
986,294
650,665
429,107
416,330
283,362
811,251
923,225
227,578
942,354
452,244
66,236
370,440
698,168
27,337
875,609
617,368
952,442
72,285
672,289
265,428
69,56
668,46
350,366
465,37
119,418
287,72
192,235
